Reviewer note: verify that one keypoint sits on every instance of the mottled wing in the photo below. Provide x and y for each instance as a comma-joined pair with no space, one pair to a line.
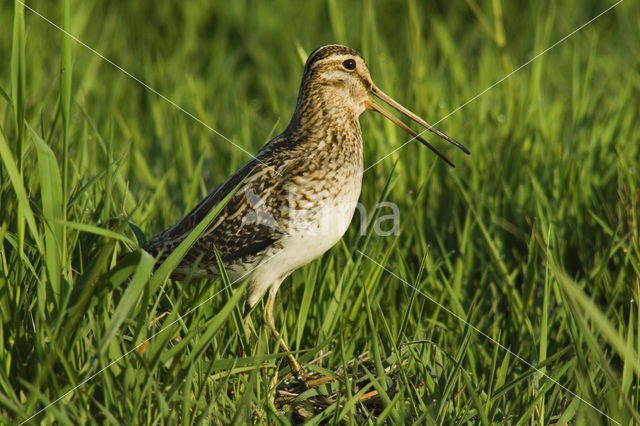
246,226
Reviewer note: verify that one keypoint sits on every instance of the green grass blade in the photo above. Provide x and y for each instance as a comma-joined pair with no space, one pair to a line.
600,321
53,211
65,107
129,298
96,230
18,95
13,172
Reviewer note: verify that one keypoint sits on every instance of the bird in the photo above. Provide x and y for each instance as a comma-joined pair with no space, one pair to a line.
296,197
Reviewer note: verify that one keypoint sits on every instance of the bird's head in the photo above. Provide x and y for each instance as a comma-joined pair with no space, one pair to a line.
339,75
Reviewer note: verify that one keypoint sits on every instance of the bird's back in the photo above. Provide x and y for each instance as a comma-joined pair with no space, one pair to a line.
285,189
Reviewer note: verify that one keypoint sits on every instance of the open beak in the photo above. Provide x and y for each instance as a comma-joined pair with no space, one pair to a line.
373,105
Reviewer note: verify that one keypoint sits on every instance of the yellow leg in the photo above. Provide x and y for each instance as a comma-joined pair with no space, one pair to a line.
297,370
247,310
247,330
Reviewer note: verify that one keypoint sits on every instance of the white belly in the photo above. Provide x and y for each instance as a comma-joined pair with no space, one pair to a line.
310,233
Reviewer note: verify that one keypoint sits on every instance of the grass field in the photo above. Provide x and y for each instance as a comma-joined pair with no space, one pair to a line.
509,295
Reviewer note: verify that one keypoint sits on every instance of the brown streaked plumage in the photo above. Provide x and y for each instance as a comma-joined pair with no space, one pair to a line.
298,194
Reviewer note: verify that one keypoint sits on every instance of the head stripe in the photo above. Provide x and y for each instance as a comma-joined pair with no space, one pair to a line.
326,51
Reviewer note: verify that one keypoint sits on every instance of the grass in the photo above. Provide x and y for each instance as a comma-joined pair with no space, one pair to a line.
534,239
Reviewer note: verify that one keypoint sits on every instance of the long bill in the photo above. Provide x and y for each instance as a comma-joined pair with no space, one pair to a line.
372,104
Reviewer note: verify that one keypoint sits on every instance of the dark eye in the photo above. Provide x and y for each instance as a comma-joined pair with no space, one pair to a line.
349,64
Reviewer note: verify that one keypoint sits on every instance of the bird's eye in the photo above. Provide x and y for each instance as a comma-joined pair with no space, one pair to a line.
349,64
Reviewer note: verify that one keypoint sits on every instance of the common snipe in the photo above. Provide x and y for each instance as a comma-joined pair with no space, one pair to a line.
299,193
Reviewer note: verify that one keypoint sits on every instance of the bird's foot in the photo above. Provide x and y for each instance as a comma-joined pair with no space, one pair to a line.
308,378
298,371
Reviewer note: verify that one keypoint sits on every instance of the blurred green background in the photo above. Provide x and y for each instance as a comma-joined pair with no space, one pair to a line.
534,238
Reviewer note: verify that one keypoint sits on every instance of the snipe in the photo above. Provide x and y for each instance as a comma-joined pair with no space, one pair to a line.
299,193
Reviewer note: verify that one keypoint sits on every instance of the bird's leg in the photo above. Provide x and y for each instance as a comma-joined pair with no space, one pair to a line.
247,317
297,370
247,329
